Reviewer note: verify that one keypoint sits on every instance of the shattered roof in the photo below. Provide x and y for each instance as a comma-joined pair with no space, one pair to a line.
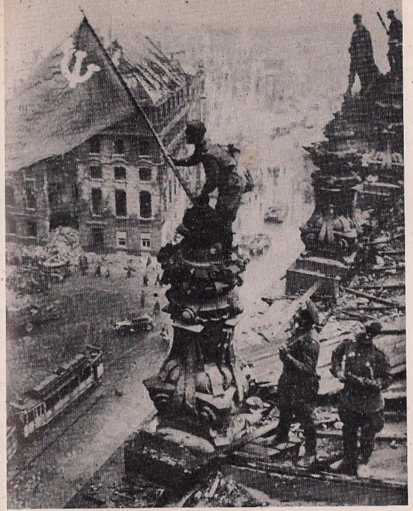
146,69
75,93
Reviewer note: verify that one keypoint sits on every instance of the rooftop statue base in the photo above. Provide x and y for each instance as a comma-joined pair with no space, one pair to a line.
201,386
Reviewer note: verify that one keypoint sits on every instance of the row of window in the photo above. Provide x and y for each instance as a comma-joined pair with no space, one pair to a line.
30,227
122,240
98,239
95,146
119,173
169,107
145,203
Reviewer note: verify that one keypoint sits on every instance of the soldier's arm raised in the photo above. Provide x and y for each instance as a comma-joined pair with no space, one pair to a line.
211,177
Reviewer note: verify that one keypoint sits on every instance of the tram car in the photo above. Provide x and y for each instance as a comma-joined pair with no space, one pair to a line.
12,441
39,406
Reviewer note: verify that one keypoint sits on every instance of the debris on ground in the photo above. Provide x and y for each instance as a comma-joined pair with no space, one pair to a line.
222,491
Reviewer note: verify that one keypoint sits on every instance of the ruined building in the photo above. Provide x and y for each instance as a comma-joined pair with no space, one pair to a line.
115,187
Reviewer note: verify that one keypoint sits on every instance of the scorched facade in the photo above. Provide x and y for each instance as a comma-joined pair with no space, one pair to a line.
116,187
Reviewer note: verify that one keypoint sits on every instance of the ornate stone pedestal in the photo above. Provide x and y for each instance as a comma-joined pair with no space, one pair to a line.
201,384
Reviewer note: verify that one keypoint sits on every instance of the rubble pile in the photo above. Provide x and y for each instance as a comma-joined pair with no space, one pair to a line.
221,491
63,245
125,494
203,303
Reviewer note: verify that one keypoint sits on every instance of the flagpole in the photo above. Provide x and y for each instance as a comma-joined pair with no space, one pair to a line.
142,113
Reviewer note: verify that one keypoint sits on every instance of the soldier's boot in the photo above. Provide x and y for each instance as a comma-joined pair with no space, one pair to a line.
346,467
281,436
310,458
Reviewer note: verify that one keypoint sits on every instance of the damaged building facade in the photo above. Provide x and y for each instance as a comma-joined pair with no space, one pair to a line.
116,187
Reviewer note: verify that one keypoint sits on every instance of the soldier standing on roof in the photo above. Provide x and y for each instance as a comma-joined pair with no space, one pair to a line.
364,370
221,171
362,59
394,54
299,382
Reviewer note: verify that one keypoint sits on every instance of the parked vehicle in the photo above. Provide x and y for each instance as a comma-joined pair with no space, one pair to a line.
27,318
56,271
12,441
274,215
39,406
134,324
255,244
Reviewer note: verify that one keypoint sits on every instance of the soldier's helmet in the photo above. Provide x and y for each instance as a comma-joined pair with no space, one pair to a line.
373,328
357,17
195,130
308,315
390,13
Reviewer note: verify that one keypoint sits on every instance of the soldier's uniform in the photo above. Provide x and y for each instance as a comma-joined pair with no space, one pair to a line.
221,172
298,387
365,371
362,59
395,46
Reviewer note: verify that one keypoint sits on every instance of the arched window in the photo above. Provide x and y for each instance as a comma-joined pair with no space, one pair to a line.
94,145
145,174
120,173
119,146
144,147
11,226
96,171
145,201
10,198
120,203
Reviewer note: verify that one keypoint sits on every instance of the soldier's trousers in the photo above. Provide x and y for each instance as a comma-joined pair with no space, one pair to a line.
369,425
396,60
301,412
228,203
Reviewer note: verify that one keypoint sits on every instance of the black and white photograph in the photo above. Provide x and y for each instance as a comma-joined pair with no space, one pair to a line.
204,237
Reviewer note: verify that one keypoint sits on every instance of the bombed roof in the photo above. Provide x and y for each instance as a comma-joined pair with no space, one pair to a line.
149,73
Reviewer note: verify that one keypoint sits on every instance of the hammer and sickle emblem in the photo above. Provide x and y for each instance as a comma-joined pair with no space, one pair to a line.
74,75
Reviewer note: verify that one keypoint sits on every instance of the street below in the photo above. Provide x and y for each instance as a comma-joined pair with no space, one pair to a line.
69,451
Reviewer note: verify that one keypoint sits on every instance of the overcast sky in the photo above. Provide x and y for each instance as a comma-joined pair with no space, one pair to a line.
42,24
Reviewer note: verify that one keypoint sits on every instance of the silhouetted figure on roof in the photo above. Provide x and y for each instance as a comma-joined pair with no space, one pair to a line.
395,33
362,59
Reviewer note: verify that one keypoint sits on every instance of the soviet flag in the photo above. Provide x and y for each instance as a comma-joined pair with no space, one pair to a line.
72,95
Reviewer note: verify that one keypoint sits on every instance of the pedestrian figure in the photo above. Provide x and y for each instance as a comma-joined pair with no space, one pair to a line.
145,280
364,370
98,270
362,59
156,309
83,264
129,269
299,382
165,335
143,299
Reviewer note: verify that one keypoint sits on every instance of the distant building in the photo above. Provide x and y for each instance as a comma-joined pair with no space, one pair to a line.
116,187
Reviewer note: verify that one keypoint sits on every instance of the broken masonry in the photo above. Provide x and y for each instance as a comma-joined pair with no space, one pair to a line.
201,384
